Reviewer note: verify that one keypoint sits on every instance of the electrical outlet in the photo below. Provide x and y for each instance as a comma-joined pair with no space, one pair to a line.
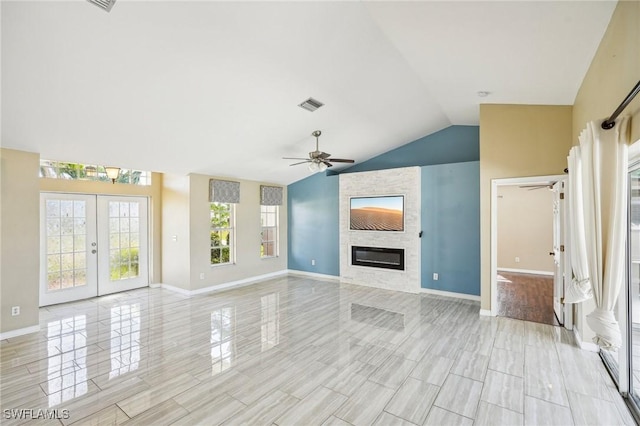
435,276
313,262
517,259
15,310
202,275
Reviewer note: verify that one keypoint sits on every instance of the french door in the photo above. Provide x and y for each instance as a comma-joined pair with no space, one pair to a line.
91,245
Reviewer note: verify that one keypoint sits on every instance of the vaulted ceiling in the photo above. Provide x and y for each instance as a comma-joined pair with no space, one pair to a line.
213,87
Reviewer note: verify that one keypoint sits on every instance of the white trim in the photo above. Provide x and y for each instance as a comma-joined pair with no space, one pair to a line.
450,294
19,332
526,271
486,313
223,286
585,346
494,226
155,285
239,283
313,275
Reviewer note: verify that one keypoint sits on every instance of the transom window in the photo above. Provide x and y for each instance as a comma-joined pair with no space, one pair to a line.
74,171
222,235
269,231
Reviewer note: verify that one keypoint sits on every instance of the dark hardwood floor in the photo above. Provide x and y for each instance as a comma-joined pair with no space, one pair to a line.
526,297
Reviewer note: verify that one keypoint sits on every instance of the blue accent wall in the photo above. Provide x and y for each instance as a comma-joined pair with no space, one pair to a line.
313,211
450,243
312,214
455,144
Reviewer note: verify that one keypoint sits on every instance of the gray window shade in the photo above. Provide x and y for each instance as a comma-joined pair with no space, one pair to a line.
271,195
224,191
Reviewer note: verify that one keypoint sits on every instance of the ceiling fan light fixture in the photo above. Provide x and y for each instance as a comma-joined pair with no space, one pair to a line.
322,166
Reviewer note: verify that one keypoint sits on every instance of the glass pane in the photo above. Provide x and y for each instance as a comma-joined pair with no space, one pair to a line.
124,209
134,209
114,225
66,208
53,281
124,240
134,240
134,225
124,224
66,244
53,226
225,254
114,265
67,279
114,241
53,245
114,209
53,263
215,255
81,277
67,226
634,279
79,208
67,262
80,226
53,208
80,243
80,260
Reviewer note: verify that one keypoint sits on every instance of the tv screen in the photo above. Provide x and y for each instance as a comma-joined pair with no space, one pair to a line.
384,213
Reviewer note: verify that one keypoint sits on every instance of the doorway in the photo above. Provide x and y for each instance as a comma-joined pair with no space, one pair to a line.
91,245
528,249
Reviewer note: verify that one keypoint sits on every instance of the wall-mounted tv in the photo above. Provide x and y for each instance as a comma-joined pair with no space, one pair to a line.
385,213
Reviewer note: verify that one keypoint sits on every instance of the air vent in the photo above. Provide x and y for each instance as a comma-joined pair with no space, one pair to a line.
103,4
311,104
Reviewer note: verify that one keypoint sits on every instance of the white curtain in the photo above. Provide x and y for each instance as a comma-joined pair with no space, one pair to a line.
603,156
580,288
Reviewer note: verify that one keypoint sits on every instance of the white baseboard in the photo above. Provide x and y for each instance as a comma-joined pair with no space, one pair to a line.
19,332
155,285
313,275
526,271
586,346
450,294
220,287
486,313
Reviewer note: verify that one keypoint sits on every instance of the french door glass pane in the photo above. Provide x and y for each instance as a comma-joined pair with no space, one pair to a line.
634,280
124,239
66,244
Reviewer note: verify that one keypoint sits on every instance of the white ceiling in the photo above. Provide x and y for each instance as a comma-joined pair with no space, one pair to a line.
213,87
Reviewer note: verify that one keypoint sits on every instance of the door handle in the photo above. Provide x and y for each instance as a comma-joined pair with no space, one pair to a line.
94,251
551,253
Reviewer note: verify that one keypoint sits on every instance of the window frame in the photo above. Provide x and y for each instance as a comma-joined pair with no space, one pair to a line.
264,210
232,235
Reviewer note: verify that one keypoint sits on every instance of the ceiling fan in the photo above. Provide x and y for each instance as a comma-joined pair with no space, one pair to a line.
318,160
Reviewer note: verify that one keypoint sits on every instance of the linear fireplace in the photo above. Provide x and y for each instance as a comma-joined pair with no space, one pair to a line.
378,257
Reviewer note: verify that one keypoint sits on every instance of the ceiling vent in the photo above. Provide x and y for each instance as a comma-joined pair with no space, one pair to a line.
103,4
311,104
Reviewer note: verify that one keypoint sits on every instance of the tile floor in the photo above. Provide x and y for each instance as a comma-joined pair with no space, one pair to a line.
300,351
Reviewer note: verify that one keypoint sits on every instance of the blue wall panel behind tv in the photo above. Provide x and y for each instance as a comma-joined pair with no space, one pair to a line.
312,210
450,208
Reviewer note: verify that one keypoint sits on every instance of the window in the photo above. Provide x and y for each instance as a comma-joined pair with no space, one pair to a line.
74,171
222,221
269,232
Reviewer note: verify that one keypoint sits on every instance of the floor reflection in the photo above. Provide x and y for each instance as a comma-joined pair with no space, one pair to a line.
378,317
67,371
125,339
270,321
222,339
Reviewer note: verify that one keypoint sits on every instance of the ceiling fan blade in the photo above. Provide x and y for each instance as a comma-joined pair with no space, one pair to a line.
324,155
294,158
340,160
327,163
302,162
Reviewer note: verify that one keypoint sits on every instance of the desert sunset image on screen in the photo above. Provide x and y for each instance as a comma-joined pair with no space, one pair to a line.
377,213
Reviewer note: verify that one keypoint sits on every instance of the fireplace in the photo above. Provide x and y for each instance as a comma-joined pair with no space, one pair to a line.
378,257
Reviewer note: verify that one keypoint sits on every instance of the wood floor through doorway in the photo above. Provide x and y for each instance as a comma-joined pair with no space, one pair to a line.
526,296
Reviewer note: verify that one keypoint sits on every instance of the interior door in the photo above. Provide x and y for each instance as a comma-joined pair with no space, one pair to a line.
122,244
558,250
68,247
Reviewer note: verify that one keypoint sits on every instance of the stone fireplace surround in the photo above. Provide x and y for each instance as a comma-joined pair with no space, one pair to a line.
403,181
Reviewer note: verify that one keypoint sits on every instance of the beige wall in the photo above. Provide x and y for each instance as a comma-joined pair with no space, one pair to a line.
517,141
20,243
614,71
187,218
525,228
175,231
153,191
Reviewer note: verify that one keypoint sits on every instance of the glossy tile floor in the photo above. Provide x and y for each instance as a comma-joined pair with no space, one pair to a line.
300,351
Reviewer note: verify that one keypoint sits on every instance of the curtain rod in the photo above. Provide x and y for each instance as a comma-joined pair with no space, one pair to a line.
611,121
